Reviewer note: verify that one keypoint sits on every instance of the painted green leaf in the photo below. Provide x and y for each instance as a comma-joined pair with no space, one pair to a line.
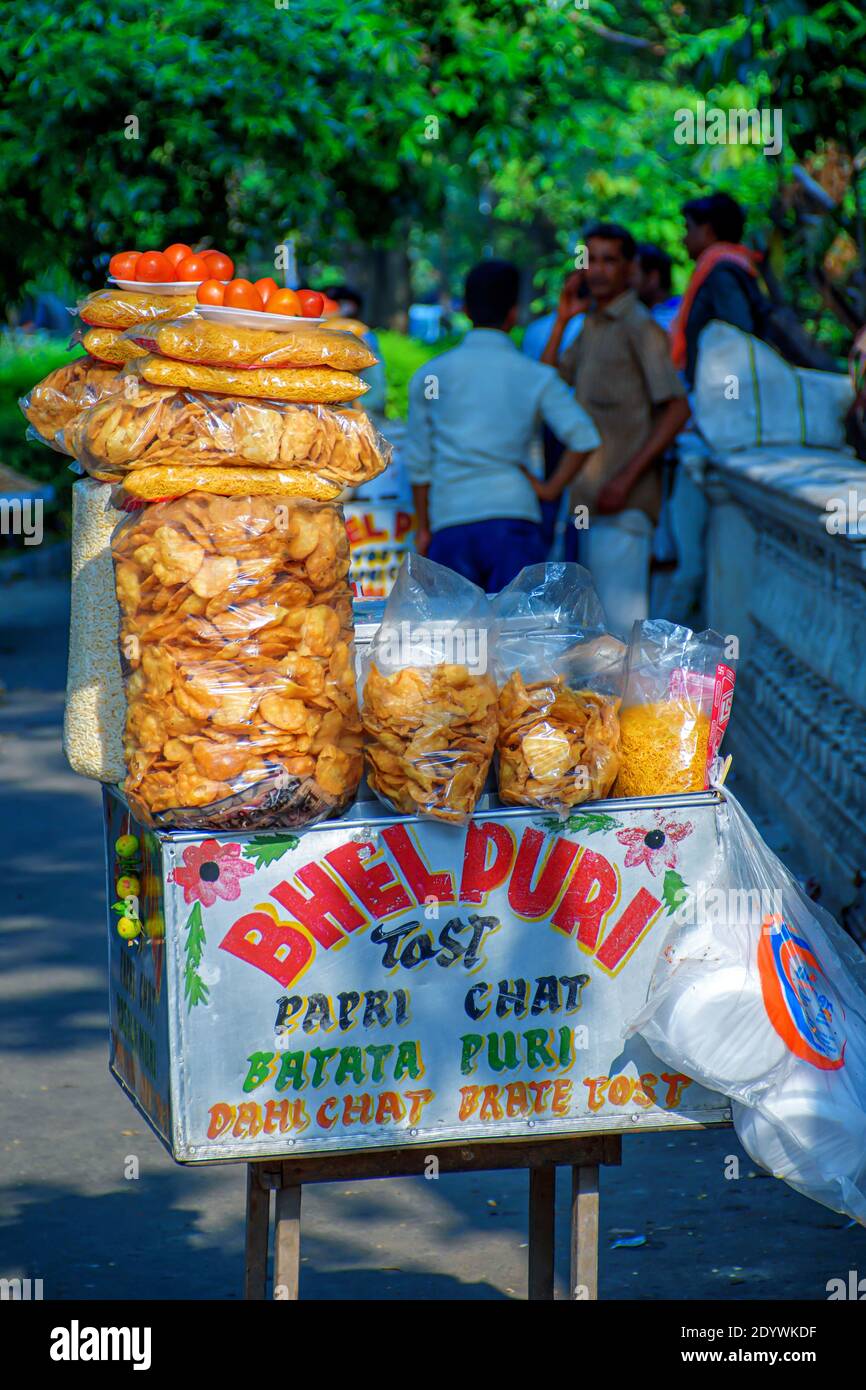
264,849
673,891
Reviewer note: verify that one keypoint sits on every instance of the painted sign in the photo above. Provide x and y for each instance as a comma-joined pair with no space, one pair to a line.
390,981
379,537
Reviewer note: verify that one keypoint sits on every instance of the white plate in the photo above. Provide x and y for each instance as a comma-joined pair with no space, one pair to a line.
171,288
252,318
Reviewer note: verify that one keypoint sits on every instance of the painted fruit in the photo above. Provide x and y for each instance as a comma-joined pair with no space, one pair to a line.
128,886
128,928
126,846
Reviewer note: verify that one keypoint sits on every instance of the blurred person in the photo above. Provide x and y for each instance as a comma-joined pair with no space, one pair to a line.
351,303
573,292
724,282
473,412
621,372
652,281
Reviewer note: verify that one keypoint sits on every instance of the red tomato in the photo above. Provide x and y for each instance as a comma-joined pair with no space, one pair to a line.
266,288
221,267
154,268
312,303
284,302
329,306
193,268
177,252
122,266
211,292
240,294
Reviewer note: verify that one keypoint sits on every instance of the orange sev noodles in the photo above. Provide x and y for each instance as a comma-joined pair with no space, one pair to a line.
664,749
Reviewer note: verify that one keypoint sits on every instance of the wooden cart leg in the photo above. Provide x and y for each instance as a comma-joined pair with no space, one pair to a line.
542,1213
257,1222
287,1241
584,1231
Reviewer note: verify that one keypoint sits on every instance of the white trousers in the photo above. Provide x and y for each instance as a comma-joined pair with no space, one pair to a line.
616,550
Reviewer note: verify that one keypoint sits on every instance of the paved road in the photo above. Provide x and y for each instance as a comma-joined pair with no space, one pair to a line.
70,1217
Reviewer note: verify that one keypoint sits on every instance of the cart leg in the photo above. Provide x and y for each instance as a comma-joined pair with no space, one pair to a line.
584,1231
287,1242
542,1211
258,1215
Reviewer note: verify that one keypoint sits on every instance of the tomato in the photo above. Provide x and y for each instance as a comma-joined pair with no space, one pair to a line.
266,288
211,292
221,267
312,303
240,294
193,268
329,306
122,266
155,268
284,302
177,252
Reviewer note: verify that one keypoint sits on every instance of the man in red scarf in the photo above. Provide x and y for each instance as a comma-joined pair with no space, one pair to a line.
724,282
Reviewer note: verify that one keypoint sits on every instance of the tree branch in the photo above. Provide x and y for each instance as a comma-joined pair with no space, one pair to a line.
629,40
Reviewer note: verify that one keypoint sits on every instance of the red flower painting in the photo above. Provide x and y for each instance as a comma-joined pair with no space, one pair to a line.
211,871
654,846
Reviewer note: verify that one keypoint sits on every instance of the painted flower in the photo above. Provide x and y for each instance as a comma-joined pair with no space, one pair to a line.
211,871
656,845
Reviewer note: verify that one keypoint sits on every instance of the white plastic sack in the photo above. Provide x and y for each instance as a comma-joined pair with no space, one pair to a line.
758,993
774,403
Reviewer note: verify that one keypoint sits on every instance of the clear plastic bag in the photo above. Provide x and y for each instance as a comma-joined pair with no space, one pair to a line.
176,480
162,427
237,650
560,676
429,697
60,398
675,709
317,385
116,308
758,993
205,343
108,345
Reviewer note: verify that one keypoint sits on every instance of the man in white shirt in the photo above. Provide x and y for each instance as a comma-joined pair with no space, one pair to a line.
473,414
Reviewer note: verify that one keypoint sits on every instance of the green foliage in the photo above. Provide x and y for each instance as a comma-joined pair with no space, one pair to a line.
24,360
402,357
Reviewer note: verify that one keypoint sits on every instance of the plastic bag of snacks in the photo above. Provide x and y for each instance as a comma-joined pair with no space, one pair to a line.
429,699
108,345
560,676
175,480
162,427
94,715
210,344
59,399
236,642
675,709
116,308
758,993
317,385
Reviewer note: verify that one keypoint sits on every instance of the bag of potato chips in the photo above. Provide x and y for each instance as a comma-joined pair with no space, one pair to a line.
237,655
429,697
207,344
560,676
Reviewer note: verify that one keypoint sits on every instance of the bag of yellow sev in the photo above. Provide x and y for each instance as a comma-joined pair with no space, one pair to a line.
560,676
676,706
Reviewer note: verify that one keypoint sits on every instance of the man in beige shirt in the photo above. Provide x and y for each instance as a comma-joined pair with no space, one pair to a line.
621,371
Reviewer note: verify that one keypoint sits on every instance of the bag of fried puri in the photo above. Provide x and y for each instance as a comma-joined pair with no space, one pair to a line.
236,647
205,343
160,428
560,678
60,398
428,697
317,385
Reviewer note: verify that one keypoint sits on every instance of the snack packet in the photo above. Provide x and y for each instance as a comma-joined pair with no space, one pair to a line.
236,647
116,308
429,699
60,398
205,343
108,345
560,676
319,385
677,702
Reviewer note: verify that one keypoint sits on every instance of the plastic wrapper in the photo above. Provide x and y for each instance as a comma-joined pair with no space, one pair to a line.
109,345
676,706
236,644
116,308
95,711
210,344
313,385
429,700
758,993
59,399
175,480
560,675
162,427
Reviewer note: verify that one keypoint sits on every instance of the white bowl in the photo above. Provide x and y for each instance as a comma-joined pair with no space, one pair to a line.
171,287
253,318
